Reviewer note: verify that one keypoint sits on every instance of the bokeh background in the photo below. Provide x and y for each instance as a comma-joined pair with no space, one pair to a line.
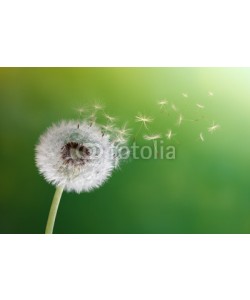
204,190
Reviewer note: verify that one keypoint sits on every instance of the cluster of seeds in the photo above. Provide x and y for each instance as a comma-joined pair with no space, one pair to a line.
96,114
169,108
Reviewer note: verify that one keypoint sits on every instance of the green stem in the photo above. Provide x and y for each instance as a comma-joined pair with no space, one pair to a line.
53,210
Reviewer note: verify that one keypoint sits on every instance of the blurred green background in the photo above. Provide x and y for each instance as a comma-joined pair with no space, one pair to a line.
205,190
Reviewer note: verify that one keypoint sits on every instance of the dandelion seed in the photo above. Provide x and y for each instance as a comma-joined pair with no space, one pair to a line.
170,134
174,107
81,110
120,140
109,118
180,120
92,118
200,106
108,127
162,103
124,131
210,94
213,128
202,137
143,119
98,106
152,137
185,95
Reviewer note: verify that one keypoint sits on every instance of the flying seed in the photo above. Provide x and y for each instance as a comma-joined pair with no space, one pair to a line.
152,137
143,119
162,103
174,107
170,134
200,106
180,120
108,127
109,118
98,106
213,128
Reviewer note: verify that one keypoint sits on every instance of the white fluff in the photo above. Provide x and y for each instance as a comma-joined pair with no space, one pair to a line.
60,161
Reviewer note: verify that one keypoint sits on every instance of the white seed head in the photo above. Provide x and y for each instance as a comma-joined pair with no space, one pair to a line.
76,155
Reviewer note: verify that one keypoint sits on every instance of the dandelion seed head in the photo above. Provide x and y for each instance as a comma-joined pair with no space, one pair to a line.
76,156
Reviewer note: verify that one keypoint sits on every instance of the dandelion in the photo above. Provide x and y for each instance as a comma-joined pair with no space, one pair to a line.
200,106
75,156
143,119
213,128
152,137
170,134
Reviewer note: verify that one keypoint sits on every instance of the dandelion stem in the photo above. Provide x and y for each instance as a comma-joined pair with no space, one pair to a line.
53,210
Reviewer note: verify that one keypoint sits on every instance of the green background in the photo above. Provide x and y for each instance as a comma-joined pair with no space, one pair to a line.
205,190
